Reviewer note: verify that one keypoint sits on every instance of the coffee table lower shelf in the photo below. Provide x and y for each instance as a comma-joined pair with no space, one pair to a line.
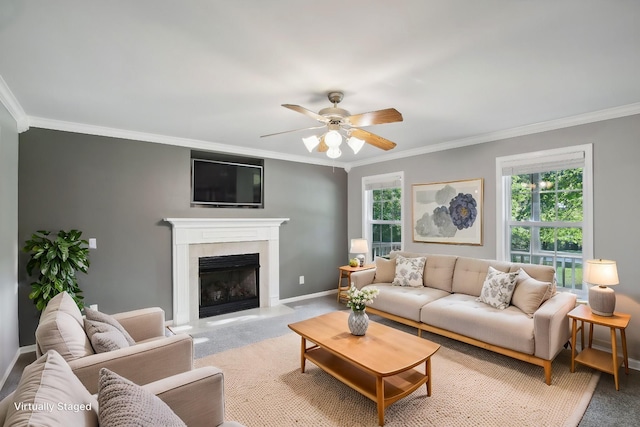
393,387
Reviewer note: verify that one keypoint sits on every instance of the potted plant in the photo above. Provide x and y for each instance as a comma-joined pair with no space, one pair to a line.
56,261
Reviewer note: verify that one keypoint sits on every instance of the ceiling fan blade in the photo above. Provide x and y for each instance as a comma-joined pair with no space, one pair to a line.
295,130
390,115
373,139
322,147
306,112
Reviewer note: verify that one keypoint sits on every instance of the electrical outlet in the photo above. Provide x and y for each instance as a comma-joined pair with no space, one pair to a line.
301,280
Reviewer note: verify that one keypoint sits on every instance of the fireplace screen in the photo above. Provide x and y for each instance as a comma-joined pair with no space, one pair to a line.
229,283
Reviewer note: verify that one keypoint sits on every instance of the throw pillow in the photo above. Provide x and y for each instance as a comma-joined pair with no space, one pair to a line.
530,293
409,271
385,270
96,315
123,403
104,337
498,288
49,394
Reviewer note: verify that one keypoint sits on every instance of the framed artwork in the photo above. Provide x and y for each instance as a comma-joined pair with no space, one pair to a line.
448,212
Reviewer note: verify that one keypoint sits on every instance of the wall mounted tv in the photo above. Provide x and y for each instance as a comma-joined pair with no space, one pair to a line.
226,184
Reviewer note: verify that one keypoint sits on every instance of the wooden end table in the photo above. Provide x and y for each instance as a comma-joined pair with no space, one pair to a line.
345,273
592,357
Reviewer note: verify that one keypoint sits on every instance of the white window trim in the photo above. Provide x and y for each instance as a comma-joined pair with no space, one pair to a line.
366,206
503,194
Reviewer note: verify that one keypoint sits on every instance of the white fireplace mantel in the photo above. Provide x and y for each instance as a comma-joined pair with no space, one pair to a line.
188,232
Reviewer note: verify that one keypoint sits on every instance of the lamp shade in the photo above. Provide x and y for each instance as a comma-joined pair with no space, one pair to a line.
355,144
601,272
359,246
333,139
311,142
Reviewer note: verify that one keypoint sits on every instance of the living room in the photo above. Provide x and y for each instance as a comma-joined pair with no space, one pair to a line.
118,189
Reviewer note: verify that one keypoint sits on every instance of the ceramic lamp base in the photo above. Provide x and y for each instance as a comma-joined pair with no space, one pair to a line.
360,260
602,300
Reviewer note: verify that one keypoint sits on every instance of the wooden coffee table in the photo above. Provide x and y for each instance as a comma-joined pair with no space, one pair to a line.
379,365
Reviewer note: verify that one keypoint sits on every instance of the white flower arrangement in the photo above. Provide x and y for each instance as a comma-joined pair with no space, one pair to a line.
359,298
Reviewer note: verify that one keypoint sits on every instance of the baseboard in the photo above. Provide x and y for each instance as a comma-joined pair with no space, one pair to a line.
308,296
9,369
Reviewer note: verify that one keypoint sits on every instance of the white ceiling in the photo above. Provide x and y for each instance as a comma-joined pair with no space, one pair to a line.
213,74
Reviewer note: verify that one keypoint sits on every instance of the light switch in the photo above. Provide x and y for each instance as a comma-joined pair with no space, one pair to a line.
92,243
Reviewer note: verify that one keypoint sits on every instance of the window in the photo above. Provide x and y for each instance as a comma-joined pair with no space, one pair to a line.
382,213
545,211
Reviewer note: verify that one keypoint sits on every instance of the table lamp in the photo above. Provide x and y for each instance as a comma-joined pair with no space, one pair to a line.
601,273
360,247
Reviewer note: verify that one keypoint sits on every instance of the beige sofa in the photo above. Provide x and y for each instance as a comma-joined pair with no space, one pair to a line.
534,328
48,394
153,356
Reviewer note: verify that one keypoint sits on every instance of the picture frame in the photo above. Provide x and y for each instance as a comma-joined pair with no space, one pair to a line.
448,212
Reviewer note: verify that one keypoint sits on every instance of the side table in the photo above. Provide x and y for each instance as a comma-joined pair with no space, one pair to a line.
597,359
345,273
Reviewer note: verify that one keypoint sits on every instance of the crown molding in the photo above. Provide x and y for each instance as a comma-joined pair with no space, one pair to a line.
580,119
40,122
11,103
26,121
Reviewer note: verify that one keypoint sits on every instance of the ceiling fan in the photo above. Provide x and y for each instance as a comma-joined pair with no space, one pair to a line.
339,122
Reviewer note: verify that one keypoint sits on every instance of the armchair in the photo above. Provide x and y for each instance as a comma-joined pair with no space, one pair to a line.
153,356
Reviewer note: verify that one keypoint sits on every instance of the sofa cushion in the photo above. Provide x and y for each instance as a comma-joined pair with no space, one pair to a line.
409,271
49,394
404,301
104,337
530,293
498,288
98,316
385,270
469,274
438,271
509,328
123,403
60,331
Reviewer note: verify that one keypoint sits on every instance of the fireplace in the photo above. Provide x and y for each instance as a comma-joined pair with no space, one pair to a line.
228,283
193,238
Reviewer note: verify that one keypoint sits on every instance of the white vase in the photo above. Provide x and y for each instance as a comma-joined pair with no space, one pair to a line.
358,322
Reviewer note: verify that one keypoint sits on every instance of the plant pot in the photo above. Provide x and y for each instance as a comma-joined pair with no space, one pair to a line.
358,322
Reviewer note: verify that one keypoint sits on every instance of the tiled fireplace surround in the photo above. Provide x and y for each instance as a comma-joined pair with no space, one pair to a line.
193,238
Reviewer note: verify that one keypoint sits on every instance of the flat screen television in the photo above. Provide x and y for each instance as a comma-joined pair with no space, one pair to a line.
226,184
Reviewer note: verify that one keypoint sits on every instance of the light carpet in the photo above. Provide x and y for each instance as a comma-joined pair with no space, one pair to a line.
264,387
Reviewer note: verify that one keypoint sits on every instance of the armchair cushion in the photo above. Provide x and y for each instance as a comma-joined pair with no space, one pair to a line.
104,337
123,403
61,328
48,394
97,316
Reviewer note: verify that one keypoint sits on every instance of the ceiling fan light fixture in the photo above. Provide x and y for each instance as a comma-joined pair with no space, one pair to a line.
311,142
355,144
333,139
333,152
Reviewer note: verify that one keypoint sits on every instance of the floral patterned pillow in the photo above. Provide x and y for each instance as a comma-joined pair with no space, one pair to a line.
498,288
409,271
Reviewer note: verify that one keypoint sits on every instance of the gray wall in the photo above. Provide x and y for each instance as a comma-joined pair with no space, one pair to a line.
616,151
8,241
118,191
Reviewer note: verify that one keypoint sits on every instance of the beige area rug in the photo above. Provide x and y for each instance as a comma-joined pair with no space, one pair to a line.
264,387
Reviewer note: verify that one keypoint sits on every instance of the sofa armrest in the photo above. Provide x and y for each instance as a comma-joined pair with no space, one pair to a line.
363,277
144,323
551,325
141,363
197,396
